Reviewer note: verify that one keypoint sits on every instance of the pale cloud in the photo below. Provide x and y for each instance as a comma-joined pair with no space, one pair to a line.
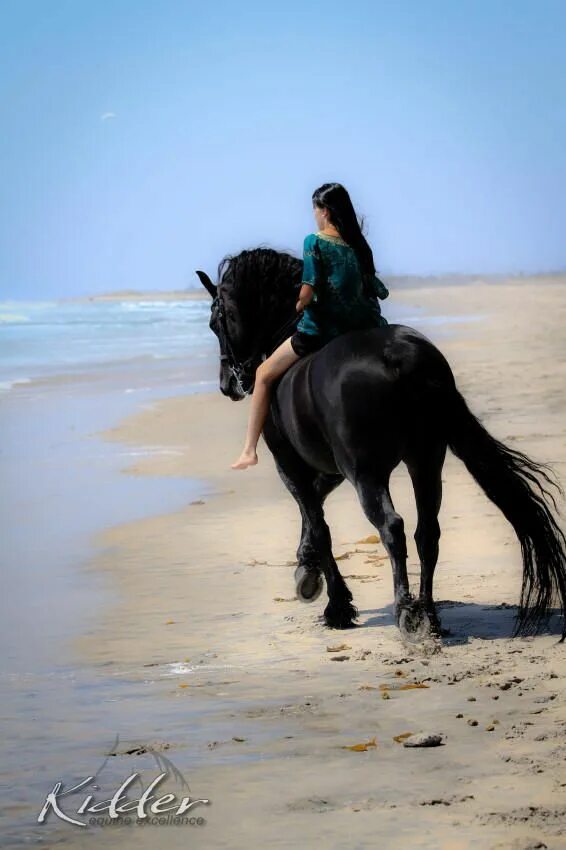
106,115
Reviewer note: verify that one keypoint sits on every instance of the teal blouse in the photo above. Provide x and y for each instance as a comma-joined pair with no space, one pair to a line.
344,298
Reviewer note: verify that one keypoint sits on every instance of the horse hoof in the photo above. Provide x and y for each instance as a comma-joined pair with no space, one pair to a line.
341,622
309,584
412,625
408,622
417,625
435,627
341,617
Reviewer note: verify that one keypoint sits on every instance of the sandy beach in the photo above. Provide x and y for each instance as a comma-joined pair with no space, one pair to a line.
263,700
195,645
174,674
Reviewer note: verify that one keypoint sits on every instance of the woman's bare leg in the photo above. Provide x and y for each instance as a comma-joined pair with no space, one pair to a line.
266,372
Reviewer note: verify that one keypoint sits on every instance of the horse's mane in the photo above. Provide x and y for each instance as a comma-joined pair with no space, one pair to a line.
261,276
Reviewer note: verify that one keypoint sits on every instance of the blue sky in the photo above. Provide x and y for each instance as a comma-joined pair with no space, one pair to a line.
141,140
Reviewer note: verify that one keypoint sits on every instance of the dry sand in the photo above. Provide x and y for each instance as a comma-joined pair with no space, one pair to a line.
211,588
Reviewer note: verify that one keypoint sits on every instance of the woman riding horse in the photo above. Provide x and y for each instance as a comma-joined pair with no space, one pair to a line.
353,409
339,292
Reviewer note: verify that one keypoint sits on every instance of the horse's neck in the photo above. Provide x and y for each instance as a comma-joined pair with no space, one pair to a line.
280,325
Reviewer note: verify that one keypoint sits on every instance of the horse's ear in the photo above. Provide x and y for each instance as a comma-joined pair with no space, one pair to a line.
207,283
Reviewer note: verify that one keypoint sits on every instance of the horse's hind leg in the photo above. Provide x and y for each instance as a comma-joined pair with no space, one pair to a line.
425,470
375,498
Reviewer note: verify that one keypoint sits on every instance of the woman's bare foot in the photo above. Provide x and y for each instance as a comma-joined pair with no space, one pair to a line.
246,459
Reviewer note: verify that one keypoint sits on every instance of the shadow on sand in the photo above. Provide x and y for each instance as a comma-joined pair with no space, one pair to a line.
466,620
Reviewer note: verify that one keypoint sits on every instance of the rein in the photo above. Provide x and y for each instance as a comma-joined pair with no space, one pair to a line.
238,369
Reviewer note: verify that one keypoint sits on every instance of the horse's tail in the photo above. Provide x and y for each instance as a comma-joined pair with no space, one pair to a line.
519,488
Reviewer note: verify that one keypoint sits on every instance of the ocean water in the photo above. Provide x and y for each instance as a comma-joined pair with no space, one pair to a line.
44,339
47,339
61,484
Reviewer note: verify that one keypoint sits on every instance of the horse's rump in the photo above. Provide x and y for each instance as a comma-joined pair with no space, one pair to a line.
363,390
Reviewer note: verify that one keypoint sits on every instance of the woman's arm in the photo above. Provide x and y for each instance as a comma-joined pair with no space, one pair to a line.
312,273
306,295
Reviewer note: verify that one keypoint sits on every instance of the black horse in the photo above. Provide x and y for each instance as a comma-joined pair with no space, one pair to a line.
355,409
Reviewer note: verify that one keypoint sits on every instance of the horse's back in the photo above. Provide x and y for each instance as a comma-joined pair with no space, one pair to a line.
361,396
394,346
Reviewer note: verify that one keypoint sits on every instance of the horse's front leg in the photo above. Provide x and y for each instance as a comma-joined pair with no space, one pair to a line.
340,611
309,489
308,575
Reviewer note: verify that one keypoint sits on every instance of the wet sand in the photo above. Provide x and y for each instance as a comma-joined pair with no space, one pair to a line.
136,296
259,699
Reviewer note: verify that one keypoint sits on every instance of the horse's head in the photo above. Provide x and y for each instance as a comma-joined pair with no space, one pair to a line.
252,312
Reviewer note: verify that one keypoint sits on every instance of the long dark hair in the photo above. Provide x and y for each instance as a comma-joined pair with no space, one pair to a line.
343,216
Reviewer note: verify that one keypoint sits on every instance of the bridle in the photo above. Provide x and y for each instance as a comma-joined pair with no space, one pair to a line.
238,369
